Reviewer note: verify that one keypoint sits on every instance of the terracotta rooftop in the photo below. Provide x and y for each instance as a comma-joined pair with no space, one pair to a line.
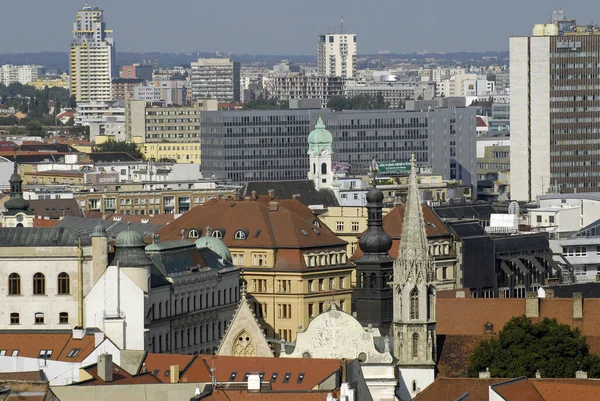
523,389
461,324
56,346
244,395
284,374
447,389
33,376
290,226
120,377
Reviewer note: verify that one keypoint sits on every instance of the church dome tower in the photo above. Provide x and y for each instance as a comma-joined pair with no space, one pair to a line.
17,213
131,257
320,150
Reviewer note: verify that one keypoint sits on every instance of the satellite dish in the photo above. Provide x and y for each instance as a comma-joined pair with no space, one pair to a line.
513,208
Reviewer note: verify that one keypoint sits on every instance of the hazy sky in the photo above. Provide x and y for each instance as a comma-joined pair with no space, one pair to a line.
285,27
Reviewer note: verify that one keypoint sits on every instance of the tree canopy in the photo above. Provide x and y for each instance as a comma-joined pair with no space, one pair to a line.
114,146
358,102
522,348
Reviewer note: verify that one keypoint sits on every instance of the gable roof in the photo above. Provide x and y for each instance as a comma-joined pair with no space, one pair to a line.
86,225
480,211
244,320
55,208
447,389
245,395
523,389
179,256
159,364
289,226
33,376
309,195
62,344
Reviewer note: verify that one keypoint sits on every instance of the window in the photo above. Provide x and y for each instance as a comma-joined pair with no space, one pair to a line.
321,281
45,353
39,284
259,259
300,378
14,318
63,318
311,311
310,285
342,282
239,234
415,345
2,352
332,283
63,284
193,234
39,318
342,304
286,378
538,219
14,284
274,377
355,226
15,352
551,219
414,304
339,226
233,376
284,310
217,234
73,353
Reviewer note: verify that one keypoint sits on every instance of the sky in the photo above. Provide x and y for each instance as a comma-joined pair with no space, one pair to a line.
284,26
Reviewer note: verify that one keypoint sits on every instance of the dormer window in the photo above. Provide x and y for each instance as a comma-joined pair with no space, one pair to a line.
193,234
217,234
316,223
240,234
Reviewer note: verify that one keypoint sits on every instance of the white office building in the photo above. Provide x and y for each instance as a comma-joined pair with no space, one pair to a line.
92,57
23,74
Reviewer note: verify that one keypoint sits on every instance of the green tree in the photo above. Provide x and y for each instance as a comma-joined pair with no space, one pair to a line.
113,146
523,347
34,127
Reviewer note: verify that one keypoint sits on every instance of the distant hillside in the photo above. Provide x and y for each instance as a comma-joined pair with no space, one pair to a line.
60,60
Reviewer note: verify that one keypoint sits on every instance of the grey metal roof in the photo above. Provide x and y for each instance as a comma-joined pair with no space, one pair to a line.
520,243
286,189
84,225
588,290
466,229
584,195
175,260
478,211
30,237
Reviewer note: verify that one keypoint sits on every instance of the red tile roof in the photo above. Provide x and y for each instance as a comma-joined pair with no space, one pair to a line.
120,377
304,373
523,389
37,375
30,344
244,395
447,389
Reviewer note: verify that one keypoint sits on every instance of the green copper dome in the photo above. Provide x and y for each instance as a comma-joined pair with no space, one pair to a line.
320,139
214,244
129,239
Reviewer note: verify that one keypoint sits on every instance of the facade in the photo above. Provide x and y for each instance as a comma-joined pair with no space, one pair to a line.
23,74
393,92
493,170
292,264
99,113
92,57
172,132
266,145
286,87
122,88
414,295
191,305
555,128
336,55
215,78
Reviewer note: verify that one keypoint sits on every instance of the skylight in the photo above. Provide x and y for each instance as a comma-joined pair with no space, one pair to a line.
274,377
303,232
286,379
233,376
300,378
73,353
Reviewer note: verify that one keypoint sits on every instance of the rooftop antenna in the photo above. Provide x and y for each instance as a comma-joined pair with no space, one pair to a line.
342,24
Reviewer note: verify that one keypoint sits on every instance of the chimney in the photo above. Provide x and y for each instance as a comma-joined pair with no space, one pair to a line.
105,367
78,333
580,374
549,292
344,368
296,196
271,194
484,375
273,206
254,382
532,304
460,294
254,195
577,305
538,374
174,374
501,294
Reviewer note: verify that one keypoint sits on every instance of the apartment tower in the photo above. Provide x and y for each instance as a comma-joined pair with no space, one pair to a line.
555,110
92,57
216,78
336,54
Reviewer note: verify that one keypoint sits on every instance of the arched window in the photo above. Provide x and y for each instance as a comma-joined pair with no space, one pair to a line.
230,295
175,307
195,304
64,284
39,284
372,280
193,234
239,234
415,345
324,168
213,300
63,318
14,284
414,304
206,306
14,318
160,310
414,386
188,304
314,168
219,297
217,234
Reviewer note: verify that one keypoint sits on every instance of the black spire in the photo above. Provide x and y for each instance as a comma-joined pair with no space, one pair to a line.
375,243
16,201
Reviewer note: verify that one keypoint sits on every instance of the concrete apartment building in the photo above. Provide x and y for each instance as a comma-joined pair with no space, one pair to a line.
122,88
285,87
393,92
270,145
23,74
336,55
215,78
92,57
171,132
554,120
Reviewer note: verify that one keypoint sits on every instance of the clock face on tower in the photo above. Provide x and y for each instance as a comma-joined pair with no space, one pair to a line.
19,218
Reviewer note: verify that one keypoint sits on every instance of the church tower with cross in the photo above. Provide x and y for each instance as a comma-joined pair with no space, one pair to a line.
414,299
